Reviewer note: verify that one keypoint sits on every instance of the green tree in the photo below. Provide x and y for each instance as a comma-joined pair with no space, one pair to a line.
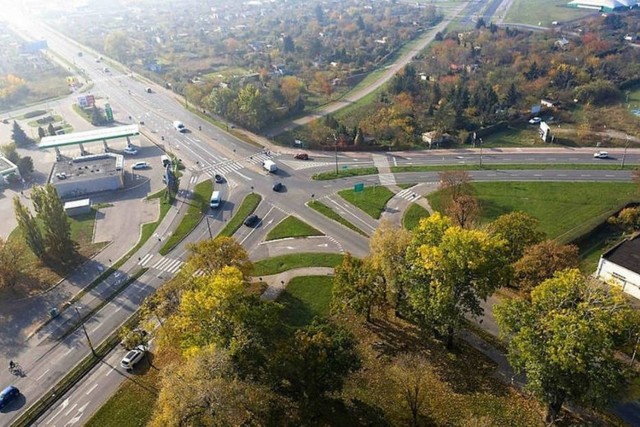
25,166
11,153
41,132
458,269
57,229
12,262
97,116
29,228
116,45
628,219
18,135
214,254
51,129
565,339
540,262
519,230
354,287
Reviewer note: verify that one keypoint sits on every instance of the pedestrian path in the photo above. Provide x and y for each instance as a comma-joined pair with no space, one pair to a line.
384,171
230,166
169,265
308,164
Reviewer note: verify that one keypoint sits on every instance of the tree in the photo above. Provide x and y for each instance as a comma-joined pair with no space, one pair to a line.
354,287
18,135
57,229
214,254
291,88
97,117
464,210
324,355
565,339
540,262
627,219
41,132
412,378
519,229
25,166
51,129
10,152
457,269
455,183
116,45
29,228
12,262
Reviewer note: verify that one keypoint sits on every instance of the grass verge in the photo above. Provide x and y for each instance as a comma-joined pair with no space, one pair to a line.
413,215
198,206
278,264
292,227
529,166
305,298
344,173
331,214
371,200
249,204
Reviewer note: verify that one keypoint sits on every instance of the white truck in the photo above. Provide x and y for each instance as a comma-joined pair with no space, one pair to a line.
270,166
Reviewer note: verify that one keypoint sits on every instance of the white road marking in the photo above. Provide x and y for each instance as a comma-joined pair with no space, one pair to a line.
91,389
42,375
244,176
69,351
96,328
70,409
109,372
62,406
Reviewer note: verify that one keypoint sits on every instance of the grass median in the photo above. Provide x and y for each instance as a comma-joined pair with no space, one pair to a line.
514,166
371,200
249,204
292,227
278,264
344,173
331,214
198,206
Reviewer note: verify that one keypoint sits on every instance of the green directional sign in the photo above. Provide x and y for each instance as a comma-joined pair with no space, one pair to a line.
108,112
358,188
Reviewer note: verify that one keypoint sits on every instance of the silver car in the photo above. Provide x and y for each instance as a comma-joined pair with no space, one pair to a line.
133,357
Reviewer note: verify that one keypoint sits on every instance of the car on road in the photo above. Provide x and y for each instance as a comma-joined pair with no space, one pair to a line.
301,156
7,395
278,187
601,155
133,357
140,165
252,220
148,90
535,120
218,178
130,150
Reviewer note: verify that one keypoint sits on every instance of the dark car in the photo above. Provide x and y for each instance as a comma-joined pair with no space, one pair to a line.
218,178
278,187
7,395
301,156
251,221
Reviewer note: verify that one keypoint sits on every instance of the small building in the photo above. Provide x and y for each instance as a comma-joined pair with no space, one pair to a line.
620,265
88,174
562,43
78,207
7,169
604,5
435,138
548,103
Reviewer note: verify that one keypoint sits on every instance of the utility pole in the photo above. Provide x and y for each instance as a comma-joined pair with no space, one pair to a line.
209,227
625,153
85,332
480,151
335,145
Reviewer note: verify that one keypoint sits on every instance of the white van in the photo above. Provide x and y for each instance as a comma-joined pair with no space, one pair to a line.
166,160
216,200
179,126
270,166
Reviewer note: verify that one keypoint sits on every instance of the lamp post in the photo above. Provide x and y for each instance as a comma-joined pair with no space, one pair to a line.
480,140
85,331
624,154
209,227
335,145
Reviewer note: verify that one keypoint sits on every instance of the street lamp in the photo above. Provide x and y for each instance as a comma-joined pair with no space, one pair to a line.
209,227
625,153
85,331
480,140
335,145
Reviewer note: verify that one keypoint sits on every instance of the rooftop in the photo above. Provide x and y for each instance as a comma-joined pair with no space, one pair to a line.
626,254
89,136
87,167
6,166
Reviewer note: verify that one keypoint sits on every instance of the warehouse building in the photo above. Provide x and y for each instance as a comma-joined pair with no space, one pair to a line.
88,174
621,265
604,5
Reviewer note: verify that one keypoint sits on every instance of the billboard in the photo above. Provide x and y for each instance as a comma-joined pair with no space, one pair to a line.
86,101
544,131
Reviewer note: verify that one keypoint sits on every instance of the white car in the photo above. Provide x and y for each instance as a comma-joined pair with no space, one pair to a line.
140,165
535,121
601,155
133,357
130,150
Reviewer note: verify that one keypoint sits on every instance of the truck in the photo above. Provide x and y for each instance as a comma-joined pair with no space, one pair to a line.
270,166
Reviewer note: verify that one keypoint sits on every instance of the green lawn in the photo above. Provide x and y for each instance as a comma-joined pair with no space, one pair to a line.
198,206
371,200
516,166
413,215
249,204
542,12
344,173
565,210
331,214
292,227
306,297
278,264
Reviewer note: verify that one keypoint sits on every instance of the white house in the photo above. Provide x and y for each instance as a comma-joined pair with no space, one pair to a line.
621,265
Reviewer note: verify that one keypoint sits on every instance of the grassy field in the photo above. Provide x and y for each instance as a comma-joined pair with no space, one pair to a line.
413,215
292,227
331,214
249,204
371,200
344,173
565,210
198,206
278,264
306,297
542,12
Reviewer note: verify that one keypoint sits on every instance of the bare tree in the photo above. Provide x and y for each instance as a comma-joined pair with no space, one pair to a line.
455,183
464,210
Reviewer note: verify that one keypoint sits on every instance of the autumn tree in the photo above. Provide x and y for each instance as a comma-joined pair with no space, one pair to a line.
565,339
57,229
463,210
412,378
457,268
29,228
355,287
628,219
12,262
519,230
540,262
213,254
460,203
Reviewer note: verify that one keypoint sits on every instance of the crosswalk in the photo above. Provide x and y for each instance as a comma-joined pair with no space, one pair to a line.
387,179
169,265
230,166
408,194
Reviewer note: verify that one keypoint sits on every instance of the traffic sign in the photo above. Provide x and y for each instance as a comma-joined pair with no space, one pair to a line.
358,187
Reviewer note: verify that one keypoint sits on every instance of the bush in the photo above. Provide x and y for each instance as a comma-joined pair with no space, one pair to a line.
34,113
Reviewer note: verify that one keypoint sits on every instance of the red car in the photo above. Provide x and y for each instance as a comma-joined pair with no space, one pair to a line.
301,156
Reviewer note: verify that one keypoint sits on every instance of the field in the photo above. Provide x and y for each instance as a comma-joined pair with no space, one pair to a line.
372,200
542,12
306,297
292,227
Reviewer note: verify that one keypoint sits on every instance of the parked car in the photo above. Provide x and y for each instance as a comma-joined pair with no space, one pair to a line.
130,150
252,220
7,395
218,178
601,155
278,187
535,120
301,156
140,165
133,357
